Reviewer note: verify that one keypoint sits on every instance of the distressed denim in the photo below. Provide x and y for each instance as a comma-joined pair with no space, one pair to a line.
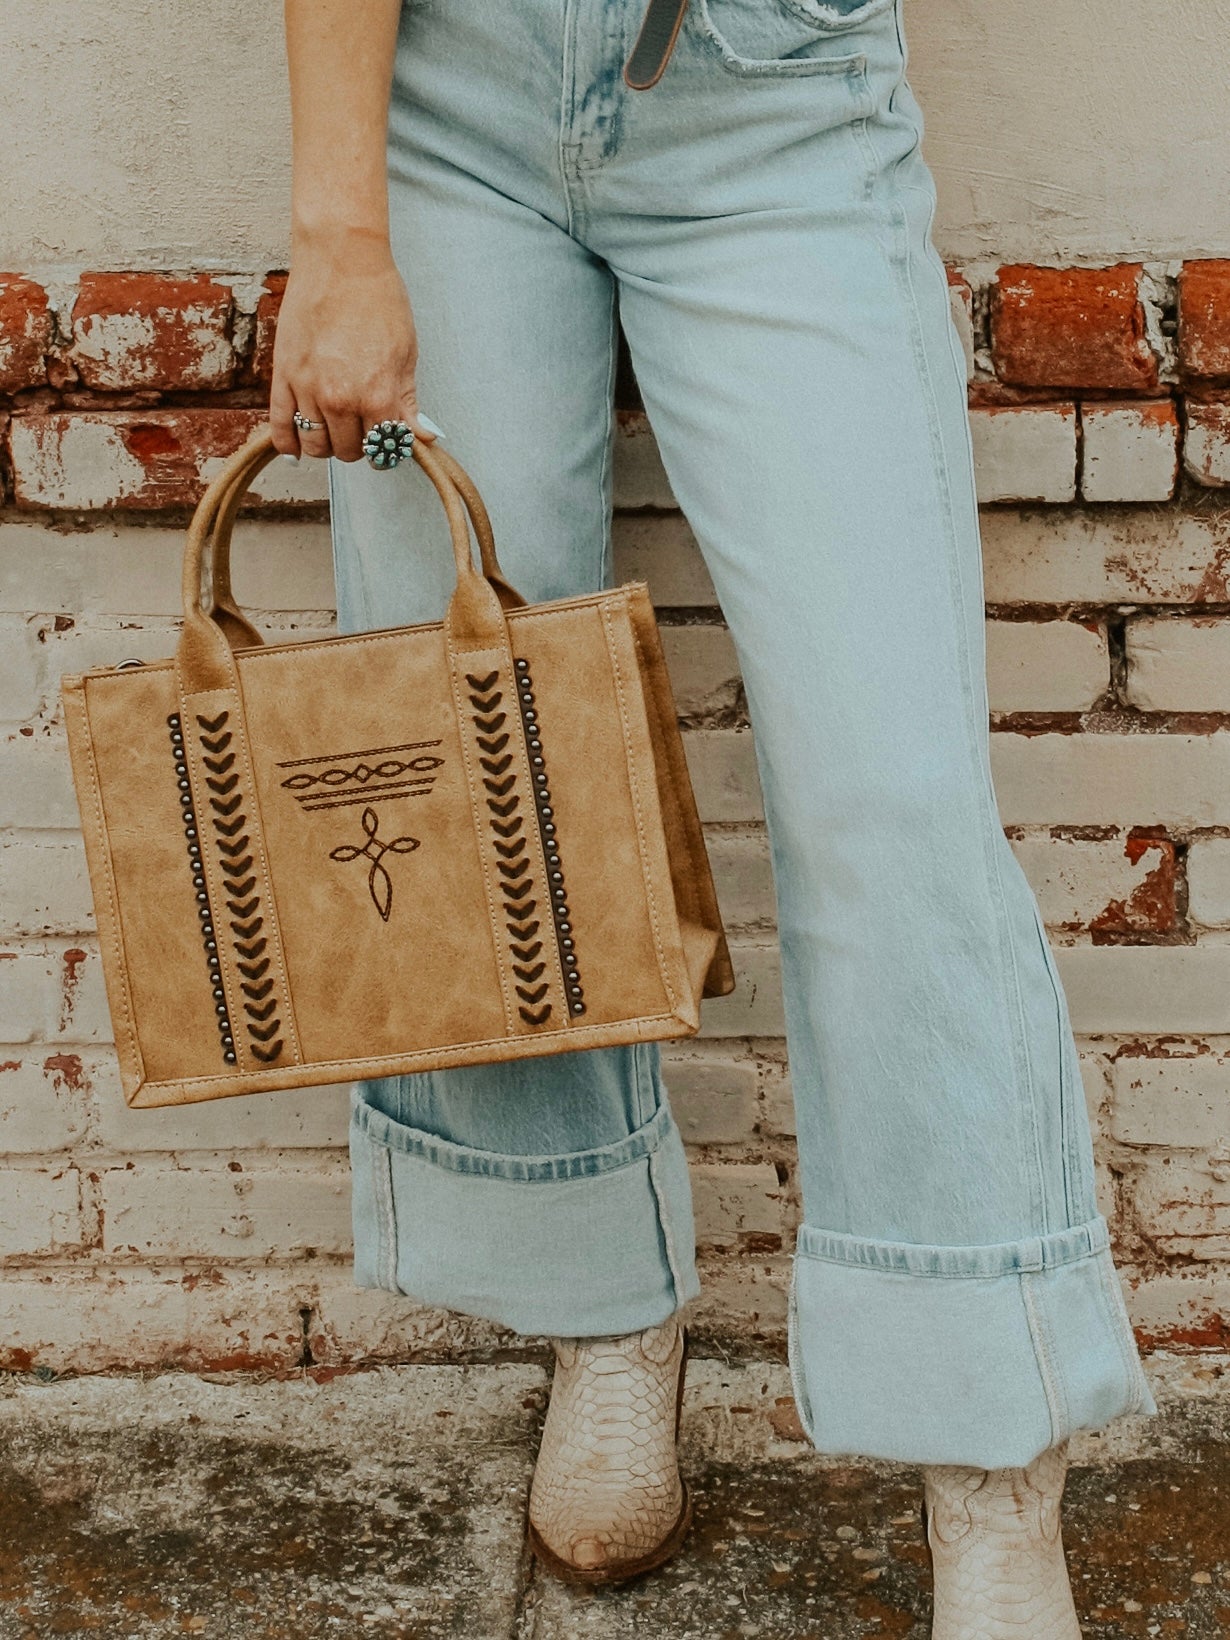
762,218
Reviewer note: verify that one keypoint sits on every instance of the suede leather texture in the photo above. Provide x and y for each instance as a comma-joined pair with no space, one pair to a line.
377,874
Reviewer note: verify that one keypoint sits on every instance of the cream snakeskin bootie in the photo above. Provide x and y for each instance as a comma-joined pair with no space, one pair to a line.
997,1551
607,1501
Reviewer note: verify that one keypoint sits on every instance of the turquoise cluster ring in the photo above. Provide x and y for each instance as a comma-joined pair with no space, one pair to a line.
387,442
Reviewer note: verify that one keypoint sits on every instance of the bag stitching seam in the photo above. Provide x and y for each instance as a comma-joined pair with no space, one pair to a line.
634,789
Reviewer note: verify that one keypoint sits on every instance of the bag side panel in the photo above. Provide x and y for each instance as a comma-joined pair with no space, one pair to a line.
691,872
152,940
102,883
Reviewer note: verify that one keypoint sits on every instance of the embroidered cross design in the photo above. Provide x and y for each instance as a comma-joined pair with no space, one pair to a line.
379,883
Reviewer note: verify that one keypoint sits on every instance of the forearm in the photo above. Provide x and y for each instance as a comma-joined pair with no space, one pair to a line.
340,55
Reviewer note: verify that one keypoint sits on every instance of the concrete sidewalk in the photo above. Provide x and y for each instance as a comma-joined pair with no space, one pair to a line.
390,1503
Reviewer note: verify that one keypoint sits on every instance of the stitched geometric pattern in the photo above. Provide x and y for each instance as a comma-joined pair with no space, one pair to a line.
513,864
391,776
235,859
557,891
379,883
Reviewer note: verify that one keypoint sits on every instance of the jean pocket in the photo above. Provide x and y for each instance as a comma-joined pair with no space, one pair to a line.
787,37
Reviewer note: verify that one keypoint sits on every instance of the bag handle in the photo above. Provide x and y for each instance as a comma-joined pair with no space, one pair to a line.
475,612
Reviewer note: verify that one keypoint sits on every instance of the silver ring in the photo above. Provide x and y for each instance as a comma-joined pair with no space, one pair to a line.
304,424
387,442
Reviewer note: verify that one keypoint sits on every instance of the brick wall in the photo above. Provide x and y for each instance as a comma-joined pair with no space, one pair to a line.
218,1234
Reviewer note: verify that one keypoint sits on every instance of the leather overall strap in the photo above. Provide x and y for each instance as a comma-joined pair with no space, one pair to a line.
654,43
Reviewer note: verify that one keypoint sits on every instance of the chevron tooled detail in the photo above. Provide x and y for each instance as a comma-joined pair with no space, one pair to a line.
513,866
233,844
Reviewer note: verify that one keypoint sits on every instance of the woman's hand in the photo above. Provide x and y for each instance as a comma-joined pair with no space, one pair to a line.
345,350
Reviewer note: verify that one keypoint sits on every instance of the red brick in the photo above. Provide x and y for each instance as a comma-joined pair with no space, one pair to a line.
1204,320
265,326
122,458
1072,328
148,330
25,333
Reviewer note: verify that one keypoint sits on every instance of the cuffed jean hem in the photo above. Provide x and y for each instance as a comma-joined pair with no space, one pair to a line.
585,1244
983,1355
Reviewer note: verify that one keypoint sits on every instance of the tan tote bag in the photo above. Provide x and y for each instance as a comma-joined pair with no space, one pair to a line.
393,851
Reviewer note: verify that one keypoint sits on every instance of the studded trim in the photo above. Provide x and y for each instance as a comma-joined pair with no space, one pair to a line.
557,889
235,856
208,935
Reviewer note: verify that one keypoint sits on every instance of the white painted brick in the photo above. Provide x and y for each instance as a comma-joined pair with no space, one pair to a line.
303,482
713,1095
1046,666
743,877
744,1295
36,784
1180,1101
734,1199
1127,780
102,641
777,1098
19,671
704,669
43,1100
1129,555
1208,882
29,996
663,552
1096,1079
1131,451
83,1318
1025,452
44,888
40,1212
1183,1201
639,478
219,1214
133,569
84,1016
1147,990
722,765
301,1117
1206,443
1115,883
1179,665
754,1007
1183,1310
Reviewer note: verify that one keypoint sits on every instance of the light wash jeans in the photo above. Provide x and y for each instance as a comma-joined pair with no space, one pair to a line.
763,216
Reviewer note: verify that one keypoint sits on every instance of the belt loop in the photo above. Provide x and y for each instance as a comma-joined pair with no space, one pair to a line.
654,43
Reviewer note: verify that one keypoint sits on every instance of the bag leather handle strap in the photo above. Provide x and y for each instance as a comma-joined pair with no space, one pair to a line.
475,613
239,629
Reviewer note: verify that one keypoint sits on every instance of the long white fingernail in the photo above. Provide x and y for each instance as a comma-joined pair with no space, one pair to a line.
426,421
287,457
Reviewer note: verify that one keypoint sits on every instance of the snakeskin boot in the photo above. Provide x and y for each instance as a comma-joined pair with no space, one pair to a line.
607,1501
997,1552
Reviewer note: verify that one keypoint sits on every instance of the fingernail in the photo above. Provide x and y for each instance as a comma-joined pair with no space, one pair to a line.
426,421
286,457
